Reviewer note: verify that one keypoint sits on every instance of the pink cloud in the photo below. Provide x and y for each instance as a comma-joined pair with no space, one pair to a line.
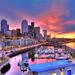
50,23
70,22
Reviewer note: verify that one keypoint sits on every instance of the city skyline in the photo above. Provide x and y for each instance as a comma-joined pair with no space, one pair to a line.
56,16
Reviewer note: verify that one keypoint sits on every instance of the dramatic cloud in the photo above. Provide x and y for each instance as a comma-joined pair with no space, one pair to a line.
57,16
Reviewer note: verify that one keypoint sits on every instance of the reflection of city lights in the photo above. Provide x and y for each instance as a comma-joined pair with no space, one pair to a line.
46,51
54,74
51,47
62,73
72,45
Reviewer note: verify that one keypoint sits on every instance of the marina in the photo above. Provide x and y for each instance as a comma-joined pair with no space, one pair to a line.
37,37
41,65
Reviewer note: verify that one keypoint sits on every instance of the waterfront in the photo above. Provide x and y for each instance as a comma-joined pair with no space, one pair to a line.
37,32
15,70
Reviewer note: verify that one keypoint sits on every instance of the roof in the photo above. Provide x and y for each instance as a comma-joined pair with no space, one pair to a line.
50,66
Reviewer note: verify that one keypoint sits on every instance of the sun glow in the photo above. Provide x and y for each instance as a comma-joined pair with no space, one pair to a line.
61,35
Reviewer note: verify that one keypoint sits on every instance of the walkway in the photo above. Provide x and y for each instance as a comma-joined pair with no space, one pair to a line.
21,50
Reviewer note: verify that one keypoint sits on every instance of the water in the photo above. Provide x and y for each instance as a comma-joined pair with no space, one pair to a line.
72,45
15,70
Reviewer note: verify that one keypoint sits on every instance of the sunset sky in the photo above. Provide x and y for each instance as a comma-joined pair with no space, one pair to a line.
57,16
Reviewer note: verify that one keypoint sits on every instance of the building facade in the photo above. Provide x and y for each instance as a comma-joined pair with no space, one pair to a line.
37,32
61,67
31,29
18,32
4,26
24,26
45,34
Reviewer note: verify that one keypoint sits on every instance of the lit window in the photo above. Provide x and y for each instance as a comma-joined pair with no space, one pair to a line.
62,73
54,74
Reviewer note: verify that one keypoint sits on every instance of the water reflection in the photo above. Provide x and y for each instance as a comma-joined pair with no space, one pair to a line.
72,45
14,70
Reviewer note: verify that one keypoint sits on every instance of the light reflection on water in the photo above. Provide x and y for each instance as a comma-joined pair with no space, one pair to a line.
72,45
15,70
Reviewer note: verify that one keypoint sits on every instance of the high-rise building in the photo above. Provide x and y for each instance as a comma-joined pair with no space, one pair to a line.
8,33
31,29
24,26
13,33
18,32
45,34
37,32
32,24
4,26
37,29
8,27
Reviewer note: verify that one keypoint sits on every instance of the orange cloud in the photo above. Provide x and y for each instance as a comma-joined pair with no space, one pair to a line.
66,35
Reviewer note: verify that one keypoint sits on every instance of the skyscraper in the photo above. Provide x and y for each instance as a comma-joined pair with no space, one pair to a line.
4,26
32,24
13,33
18,32
8,27
37,32
45,34
24,26
31,29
